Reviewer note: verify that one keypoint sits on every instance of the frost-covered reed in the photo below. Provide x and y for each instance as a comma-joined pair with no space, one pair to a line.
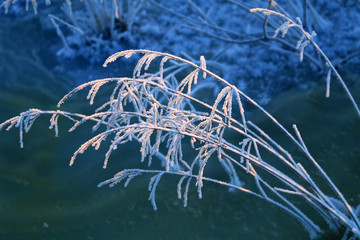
98,28
305,40
162,109
160,112
261,33
91,28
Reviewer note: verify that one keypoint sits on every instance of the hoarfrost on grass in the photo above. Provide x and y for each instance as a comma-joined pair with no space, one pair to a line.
134,111
179,27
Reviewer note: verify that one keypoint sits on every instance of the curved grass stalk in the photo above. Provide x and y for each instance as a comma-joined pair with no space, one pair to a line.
290,23
153,109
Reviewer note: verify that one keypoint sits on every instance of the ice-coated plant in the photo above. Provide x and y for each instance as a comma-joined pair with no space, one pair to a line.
92,28
165,107
305,40
160,112
7,3
98,28
264,33
246,38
